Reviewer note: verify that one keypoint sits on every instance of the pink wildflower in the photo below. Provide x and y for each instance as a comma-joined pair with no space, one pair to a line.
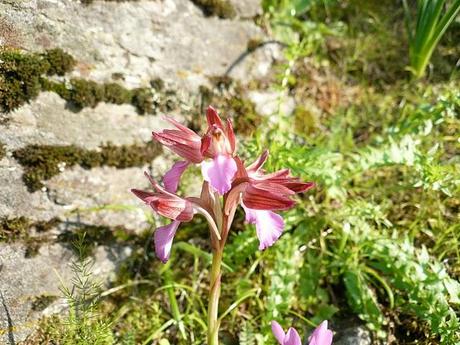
320,336
223,172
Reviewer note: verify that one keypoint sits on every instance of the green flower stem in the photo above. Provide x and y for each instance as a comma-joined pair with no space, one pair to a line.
214,294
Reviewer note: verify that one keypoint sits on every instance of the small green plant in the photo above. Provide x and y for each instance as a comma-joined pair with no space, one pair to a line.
83,325
431,23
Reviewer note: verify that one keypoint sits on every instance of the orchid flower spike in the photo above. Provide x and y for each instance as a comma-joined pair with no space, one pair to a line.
260,194
320,336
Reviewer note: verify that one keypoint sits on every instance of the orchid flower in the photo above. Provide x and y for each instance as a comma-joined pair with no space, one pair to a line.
258,193
217,144
261,194
227,184
320,336
173,207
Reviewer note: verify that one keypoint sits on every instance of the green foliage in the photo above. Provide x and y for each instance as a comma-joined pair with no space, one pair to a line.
41,162
284,277
83,324
362,250
432,21
424,285
248,336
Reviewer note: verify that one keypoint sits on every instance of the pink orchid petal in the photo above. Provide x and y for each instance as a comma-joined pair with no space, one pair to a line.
267,197
269,226
321,335
183,141
213,118
278,332
172,177
163,238
231,136
219,173
254,167
147,197
292,337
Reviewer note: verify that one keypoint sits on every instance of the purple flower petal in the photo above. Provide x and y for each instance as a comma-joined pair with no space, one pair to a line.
292,337
278,332
219,172
163,238
321,335
172,177
269,226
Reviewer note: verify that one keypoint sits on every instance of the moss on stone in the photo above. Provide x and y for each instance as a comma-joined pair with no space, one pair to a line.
142,99
89,2
12,229
41,162
59,61
33,234
22,78
157,84
253,44
85,93
220,8
246,117
19,229
116,94
21,74
2,151
222,82
40,303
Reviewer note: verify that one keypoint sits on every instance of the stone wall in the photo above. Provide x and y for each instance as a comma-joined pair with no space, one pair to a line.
135,44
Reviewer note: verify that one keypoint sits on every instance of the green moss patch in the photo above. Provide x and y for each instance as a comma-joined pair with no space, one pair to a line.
2,151
33,234
20,74
41,162
19,229
82,93
40,303
12,229
219,8
23,77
